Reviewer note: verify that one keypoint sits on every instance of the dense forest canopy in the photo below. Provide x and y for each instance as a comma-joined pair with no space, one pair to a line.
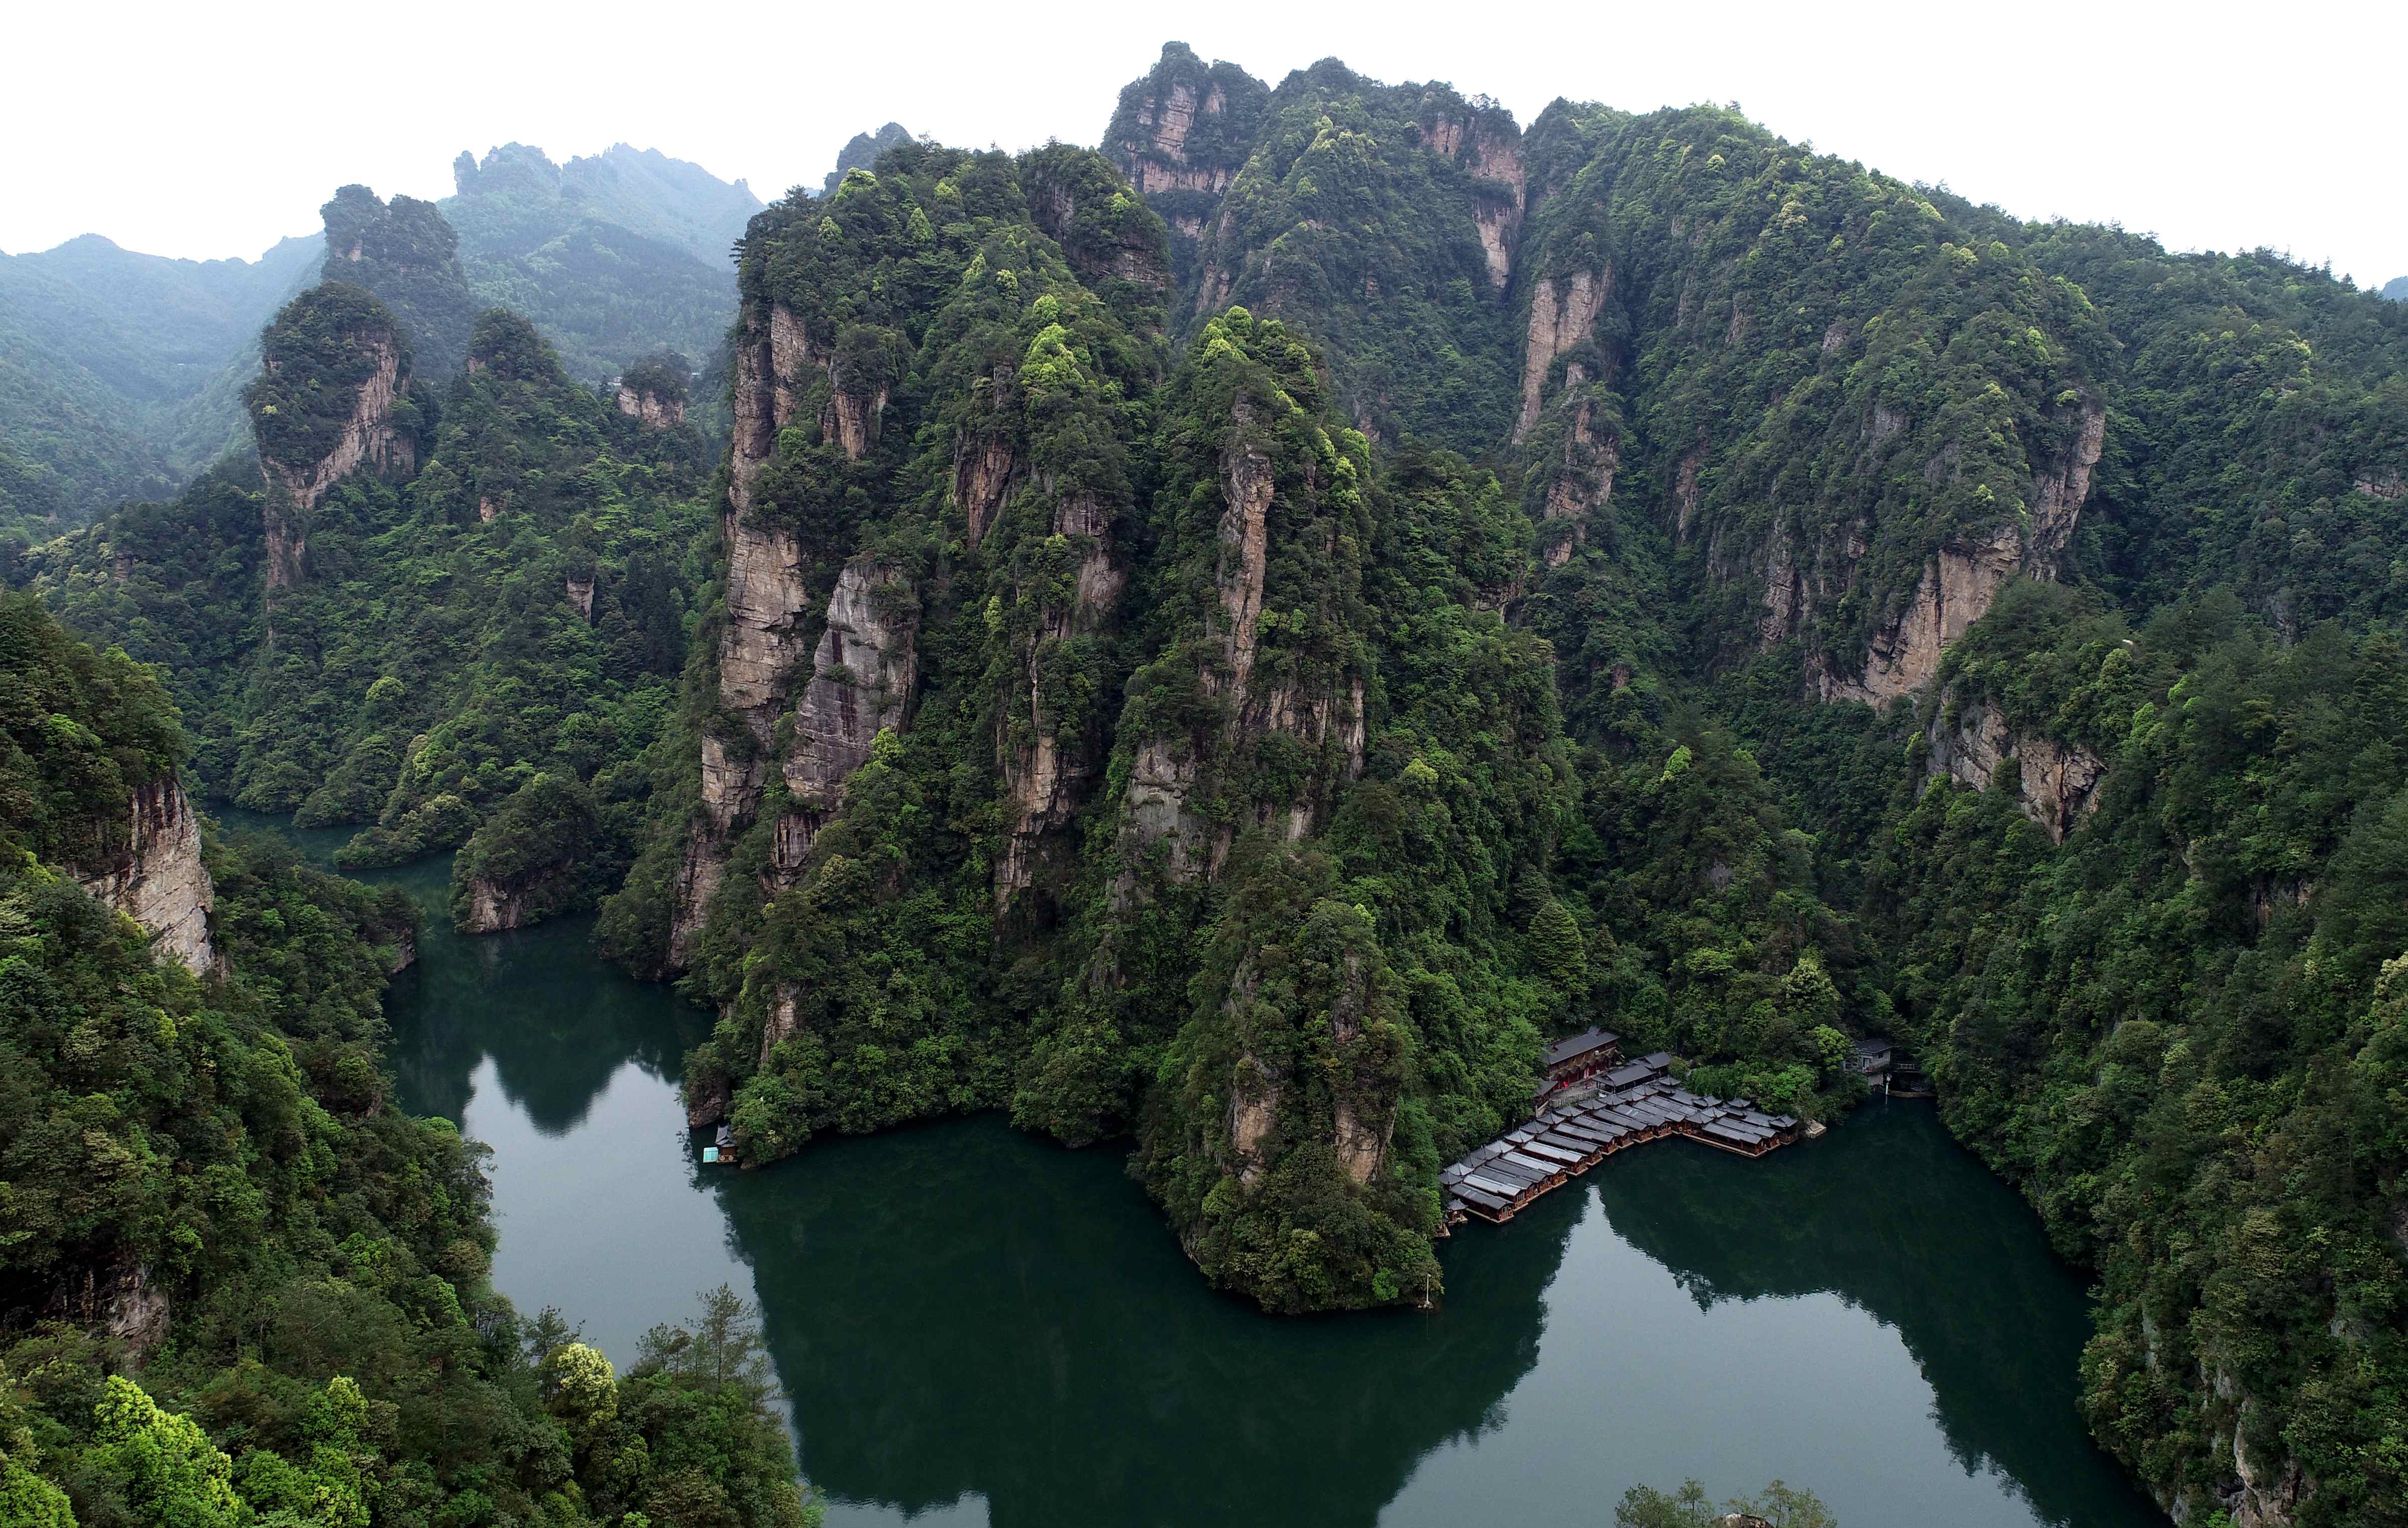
242,1285
1228,643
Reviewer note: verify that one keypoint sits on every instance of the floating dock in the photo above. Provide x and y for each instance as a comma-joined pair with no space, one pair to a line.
1629,1104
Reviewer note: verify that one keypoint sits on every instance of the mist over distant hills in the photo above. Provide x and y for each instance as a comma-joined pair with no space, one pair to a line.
121,373
614,256
115,367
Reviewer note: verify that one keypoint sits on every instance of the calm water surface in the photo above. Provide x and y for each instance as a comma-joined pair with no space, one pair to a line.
974,1327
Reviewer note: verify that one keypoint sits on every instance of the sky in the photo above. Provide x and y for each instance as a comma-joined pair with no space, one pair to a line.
203,131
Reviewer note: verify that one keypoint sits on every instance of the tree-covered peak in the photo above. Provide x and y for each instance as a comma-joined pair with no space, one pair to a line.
861,151
406,253
507,347
507,169
324,347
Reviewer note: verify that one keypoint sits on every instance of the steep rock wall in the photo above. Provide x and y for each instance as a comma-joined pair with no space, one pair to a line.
769,599
1167,771
862,676
368,439
1160,163
1049,770
1563,314
493,907
1579,485
1491,153
1960,582
158,880
653,410
2060,782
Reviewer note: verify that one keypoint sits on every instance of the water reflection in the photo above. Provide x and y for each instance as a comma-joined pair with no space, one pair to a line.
973,1324
969,1312
1902,1223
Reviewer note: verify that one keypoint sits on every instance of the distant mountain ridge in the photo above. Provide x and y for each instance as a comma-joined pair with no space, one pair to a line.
643,191
614,256
121,373
112,368
2397,289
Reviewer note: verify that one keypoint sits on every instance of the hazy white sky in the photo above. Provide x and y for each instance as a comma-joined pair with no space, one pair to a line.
213,130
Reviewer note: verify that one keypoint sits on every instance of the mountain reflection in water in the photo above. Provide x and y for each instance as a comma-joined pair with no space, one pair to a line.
976,1326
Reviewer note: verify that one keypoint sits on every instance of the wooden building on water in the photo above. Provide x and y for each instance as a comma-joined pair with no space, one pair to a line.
1627,1105
1887,1065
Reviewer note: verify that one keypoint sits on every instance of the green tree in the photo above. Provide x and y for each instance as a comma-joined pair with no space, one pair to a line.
170,1474
1556,946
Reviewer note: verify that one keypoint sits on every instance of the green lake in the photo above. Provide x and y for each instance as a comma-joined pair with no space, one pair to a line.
973,1326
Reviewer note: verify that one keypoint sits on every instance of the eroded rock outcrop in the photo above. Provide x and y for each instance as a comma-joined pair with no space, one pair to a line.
1580,484
862,677
365,439
767,638
1489,148
1317,712
1960,582
2059,783
1160,161
1049,767
494,906
656,411
319,420
1563,314
158,879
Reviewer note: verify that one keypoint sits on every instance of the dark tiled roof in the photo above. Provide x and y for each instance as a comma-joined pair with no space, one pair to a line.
1579,1044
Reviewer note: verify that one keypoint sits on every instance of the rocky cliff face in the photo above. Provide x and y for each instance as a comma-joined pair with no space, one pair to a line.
858,651
493,907
1048,767
1580,484
2059,782
1489,148
768,603
366,438
985,461
1157,160
1315,713
656,411
861,684
1563,314
1960,582
158,879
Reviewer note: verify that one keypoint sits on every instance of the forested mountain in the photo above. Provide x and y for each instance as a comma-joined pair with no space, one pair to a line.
1633,570
114,368
1227,642
2397,289
122,374
440,602
615,256
242,1285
